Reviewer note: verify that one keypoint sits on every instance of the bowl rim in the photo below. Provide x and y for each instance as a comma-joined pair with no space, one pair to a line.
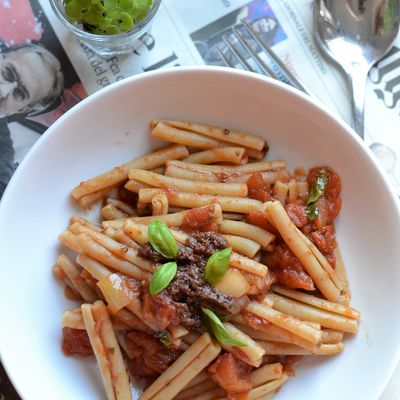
314,103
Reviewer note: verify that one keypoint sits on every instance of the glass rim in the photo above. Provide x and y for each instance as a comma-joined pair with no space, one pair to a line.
57,7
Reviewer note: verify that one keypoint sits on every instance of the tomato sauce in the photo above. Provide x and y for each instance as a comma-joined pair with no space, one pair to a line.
149,358
76,342
297,213
288,269
200,219
232,375
257,218
158,311
258,188
329,204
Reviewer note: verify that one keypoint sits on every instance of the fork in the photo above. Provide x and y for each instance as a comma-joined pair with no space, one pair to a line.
251,53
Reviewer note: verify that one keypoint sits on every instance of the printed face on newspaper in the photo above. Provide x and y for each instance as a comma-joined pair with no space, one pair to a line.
37,81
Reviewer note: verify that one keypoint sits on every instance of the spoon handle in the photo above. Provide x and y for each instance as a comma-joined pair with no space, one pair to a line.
357,80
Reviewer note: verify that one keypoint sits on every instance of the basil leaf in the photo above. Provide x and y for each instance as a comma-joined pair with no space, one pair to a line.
312,211
161,239
217,265
163,337
214,324
317,189
162,277
318,186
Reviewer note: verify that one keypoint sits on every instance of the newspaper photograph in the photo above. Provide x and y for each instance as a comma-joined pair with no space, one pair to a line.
37,82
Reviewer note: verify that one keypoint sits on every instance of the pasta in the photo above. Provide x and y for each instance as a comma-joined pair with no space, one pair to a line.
212,277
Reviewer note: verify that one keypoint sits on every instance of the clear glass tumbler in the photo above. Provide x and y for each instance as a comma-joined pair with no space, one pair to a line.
108,45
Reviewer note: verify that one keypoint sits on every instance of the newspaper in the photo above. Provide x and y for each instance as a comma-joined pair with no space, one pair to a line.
50,63
185,33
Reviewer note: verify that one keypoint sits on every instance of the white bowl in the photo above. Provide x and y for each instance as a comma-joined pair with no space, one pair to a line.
112,127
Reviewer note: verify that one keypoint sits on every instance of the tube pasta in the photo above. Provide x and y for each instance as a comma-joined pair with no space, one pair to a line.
276,348
286,321
69,240
120,173
120,236
259,235
88,199
190,200
100,253
224,134
292,191
159,204
249,168
318,302
195,175
306,312
300,249
120,250
134,185
252,352
280,191
205,190
233,155
110,212
184,185
178,366
73,273
177,219
244,246
84,222
274,333
122,206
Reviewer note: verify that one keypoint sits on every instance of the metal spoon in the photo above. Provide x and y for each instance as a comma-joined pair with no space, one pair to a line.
356,34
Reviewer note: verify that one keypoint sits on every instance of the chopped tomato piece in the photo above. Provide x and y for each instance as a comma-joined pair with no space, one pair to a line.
258,188
257,218
199,219
288,269
76,342
231,374
255,322
158,311
149,358
324,238
297,213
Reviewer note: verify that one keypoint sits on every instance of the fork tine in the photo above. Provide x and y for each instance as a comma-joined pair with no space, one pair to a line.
260,62
293,80
224,58
241,59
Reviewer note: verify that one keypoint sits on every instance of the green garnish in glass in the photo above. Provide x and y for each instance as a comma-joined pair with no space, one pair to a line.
106,17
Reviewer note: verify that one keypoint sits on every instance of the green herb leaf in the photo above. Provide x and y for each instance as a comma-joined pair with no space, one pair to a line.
163,337
161,239
318,186
217,265
317,189
218,330
312,211
93,15
162,277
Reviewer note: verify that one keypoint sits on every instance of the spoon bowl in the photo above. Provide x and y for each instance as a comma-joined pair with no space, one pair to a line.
356,34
